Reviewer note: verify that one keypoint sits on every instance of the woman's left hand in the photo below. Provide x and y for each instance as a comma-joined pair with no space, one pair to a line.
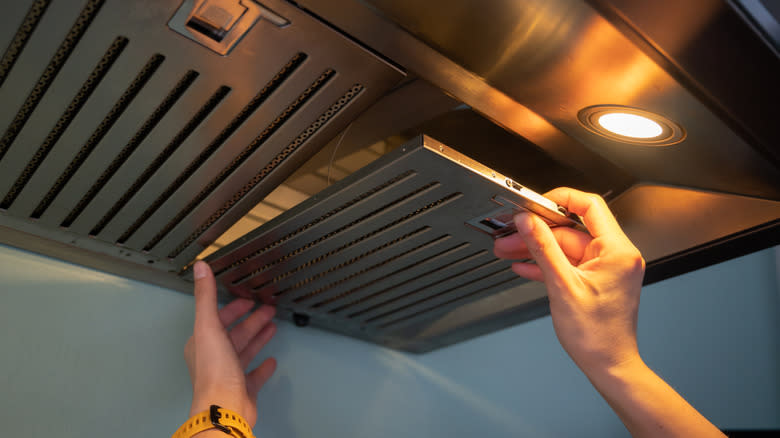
217,356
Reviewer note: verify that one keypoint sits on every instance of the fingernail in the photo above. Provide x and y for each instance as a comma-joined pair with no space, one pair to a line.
200,270
523,222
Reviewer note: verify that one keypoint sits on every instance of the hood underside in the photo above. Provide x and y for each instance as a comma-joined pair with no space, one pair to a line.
139,136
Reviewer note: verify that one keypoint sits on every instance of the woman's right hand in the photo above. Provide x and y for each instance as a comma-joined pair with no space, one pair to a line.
593,281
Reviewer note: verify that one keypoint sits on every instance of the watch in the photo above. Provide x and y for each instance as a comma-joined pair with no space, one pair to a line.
218,418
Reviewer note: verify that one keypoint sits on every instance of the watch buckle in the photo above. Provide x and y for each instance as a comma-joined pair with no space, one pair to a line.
214,416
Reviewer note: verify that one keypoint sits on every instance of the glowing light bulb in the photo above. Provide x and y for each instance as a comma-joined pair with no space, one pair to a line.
630,125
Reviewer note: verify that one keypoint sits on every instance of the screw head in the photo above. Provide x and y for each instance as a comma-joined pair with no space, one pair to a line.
301,319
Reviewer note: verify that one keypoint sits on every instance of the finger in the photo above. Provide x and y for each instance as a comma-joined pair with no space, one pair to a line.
205,292
244,331
571,241
257,377
543,247
511,247
256,344
530,271
594,210
234,310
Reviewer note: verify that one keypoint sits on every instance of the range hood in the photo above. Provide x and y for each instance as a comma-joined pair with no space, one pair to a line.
138,136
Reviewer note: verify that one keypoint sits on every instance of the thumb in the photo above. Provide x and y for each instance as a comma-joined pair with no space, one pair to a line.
543,247
206,312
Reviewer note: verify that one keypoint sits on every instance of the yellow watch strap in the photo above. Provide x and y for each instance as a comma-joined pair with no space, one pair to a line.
229,422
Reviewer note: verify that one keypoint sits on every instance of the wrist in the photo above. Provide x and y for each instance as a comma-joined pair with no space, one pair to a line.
618,373
217,421
603,361
204,404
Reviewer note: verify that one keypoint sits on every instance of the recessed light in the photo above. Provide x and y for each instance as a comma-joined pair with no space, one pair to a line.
631,125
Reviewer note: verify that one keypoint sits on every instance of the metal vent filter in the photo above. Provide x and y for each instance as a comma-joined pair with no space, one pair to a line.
127,147
385,255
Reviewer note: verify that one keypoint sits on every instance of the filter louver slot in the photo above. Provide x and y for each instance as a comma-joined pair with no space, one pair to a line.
429,265
445,305
105,125
234,124
238,160
272,165
461,271
341,265
400,221
17,44
400,256
336,251
342,229
81,97
169,149
47,77
147,127
352,202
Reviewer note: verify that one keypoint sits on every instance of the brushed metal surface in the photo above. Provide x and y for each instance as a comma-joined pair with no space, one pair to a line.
129,122
384,248
663,220
516,62
736,81
364,22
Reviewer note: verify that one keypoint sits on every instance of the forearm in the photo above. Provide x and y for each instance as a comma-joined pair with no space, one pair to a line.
647,405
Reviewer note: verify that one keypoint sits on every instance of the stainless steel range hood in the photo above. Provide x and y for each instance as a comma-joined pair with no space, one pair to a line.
132,144
137,134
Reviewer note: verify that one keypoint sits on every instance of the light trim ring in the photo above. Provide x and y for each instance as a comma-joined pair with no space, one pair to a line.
658,130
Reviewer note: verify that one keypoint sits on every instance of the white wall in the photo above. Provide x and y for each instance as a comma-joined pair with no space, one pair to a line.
84,354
